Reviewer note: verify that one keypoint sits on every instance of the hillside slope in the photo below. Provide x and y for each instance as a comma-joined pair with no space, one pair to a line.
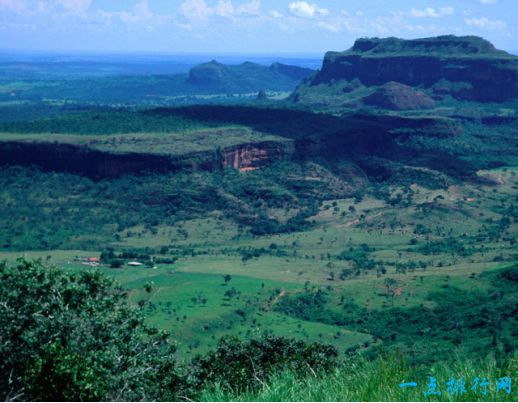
465,68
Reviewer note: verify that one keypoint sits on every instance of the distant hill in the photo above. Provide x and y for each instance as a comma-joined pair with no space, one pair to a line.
464,68
213,78
62,66
246,77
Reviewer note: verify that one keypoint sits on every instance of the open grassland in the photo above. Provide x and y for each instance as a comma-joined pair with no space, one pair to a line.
429,243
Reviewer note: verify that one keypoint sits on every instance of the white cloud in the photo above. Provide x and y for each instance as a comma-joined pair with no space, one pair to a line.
253,7
75,6
224,8
142,10
427,12
486,24
328,26
430,12
447,11
140,13
195,9
200,10
488,1
304,9
275,14
15,6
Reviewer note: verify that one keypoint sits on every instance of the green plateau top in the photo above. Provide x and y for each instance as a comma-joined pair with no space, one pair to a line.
441,46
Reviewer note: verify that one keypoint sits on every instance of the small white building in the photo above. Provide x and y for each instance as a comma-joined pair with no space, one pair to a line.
135,264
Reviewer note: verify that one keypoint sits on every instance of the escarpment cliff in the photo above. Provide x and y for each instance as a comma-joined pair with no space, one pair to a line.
465,68
99,164
249,157
311,137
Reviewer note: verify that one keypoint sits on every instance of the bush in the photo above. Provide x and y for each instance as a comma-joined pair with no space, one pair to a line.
166,260
239,365
116,263
74,336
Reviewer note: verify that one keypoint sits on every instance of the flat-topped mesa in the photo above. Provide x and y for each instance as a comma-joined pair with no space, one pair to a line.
442,46
467,68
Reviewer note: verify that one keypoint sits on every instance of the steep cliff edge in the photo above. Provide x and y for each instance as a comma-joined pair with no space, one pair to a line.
295,135
467,68
95,163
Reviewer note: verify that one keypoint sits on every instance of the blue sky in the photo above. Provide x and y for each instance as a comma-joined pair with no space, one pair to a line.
244,26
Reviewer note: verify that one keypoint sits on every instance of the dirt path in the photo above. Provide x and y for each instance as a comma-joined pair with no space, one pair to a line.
281,294
357,221
267,307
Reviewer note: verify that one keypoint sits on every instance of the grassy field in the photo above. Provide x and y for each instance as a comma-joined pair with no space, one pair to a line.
192,300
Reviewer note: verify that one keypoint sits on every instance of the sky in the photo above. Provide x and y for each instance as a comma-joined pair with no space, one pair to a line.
244,26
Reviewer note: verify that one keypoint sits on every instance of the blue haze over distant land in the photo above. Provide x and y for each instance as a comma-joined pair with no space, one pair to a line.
52,65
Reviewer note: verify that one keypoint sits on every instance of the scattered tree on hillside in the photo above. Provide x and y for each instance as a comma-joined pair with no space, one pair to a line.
390,285
227,278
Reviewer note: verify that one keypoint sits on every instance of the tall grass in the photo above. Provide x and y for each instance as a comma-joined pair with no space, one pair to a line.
378,380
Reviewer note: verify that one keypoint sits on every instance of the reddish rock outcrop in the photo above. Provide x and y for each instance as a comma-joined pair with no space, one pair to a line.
248,157
97,164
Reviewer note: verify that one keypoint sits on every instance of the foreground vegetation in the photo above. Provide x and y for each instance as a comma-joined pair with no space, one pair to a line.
74,336
359,379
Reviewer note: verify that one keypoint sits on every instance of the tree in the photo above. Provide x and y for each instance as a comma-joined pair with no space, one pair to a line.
116,263
227,278
108,255
74,336
231,293
390,284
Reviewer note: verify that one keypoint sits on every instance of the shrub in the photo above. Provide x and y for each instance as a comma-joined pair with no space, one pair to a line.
74,336
239,365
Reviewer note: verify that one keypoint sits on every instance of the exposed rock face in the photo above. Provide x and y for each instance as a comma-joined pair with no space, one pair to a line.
97,164
468,68
398,96
249,157
317,137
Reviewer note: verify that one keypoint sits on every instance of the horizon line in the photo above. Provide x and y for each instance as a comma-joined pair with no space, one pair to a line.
161,53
